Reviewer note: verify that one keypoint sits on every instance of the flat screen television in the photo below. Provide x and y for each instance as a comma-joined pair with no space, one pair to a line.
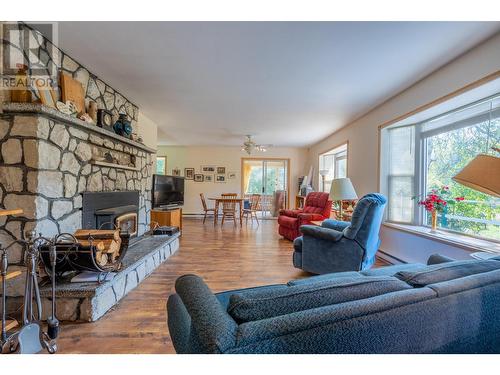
168,191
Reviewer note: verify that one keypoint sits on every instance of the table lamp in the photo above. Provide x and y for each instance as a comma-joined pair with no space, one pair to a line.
481,174
342,190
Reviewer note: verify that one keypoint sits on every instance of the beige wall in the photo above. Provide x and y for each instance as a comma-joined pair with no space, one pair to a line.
229,157
362,134
148,130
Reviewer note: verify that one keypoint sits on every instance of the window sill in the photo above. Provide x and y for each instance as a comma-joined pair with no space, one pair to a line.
453,239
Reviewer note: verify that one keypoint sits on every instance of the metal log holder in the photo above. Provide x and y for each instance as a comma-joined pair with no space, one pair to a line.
73,256
31,338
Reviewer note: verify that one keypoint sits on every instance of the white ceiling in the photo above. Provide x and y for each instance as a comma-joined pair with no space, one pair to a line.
287,83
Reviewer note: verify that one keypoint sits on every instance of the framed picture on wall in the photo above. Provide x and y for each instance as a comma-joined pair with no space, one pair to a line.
231,175
189,173
198,177
220,178
221,170
161,165
207,169
209,178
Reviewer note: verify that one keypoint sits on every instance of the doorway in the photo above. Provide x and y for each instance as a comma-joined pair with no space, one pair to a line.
270,178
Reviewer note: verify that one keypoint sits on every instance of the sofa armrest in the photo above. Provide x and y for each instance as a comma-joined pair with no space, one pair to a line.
335,224
306,218
438,259
321,233
290,213
212,327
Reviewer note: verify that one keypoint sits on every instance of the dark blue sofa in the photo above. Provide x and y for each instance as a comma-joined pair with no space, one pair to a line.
338,246
446,307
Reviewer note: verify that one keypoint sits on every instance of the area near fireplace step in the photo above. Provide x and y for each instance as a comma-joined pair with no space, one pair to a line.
90,301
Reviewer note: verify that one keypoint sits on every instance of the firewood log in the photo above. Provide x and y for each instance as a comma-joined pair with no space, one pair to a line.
107,242
100,245
101,258
97,234
114,247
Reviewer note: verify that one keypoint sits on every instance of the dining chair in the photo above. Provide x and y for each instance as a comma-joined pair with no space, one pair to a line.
205,207
229,207
252,209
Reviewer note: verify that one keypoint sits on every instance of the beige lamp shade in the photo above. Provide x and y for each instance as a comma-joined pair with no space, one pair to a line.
481,174
342,190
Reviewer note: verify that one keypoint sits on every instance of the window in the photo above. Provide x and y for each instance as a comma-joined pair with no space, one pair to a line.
332,164
161,165
418,157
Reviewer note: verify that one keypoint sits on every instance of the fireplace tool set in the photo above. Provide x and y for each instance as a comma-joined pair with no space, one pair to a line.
31,338
64,253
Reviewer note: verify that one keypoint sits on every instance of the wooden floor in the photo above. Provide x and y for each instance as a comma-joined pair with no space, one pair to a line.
227,258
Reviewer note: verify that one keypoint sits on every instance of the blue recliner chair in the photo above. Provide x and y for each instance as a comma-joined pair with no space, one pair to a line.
339,246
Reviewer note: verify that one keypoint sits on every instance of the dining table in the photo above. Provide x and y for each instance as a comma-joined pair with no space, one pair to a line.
219,200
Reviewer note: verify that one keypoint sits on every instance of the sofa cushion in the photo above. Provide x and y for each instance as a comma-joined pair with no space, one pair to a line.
252,306
325,277
392,270
447,271
313,210
316,200
223,297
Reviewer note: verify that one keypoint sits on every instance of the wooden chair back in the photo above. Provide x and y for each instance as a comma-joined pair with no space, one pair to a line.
254,201
203,202
229,206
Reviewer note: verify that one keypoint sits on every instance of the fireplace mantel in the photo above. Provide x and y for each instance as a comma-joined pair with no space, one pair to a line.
54,114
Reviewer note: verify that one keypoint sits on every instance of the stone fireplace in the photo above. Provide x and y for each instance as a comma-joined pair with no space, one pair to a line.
51,167
68,174
51,161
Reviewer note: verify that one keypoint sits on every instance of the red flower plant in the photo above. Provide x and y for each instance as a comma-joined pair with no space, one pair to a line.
437,200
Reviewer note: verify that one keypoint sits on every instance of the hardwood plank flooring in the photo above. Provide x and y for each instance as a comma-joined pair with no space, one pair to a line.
226,257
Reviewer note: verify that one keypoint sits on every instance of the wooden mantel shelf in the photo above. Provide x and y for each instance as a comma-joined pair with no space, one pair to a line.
113,165
42,110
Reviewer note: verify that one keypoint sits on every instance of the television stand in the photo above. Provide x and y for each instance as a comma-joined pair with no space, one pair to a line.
171,217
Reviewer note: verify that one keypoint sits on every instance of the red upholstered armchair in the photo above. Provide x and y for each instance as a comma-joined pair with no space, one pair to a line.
316,207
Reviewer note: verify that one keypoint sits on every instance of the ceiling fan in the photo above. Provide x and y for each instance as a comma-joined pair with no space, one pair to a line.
249,146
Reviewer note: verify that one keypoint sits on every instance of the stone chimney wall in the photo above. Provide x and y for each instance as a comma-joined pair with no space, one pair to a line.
48,159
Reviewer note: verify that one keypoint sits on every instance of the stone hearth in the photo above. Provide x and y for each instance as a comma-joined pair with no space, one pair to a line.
90,301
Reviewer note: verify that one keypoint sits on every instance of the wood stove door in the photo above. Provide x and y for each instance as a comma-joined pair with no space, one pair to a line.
127,222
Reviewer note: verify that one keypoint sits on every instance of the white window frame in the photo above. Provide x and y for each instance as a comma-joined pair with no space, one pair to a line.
339,153
420,159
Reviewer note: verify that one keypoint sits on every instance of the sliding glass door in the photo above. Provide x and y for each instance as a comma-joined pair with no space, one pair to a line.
268,178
